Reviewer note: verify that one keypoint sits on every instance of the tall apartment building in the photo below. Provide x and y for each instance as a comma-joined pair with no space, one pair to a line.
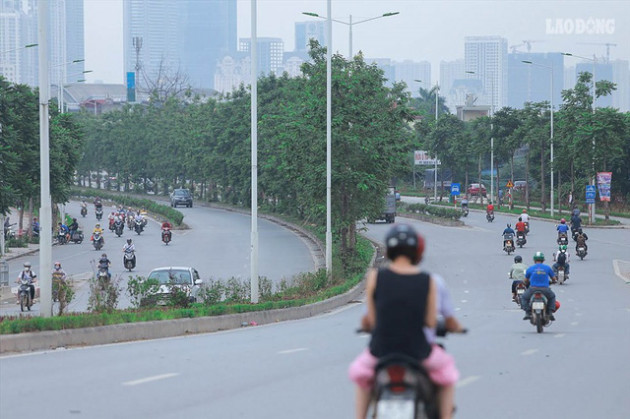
305,31
410,71
486,58
188,37
270,53
532,82
18,27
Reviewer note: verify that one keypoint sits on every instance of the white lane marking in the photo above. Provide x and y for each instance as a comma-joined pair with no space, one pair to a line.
574,323
529,352
468,380
464,301
466,292
559,335
616,263
150,379
290,351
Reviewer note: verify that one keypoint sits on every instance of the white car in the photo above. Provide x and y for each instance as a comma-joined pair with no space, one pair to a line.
185,278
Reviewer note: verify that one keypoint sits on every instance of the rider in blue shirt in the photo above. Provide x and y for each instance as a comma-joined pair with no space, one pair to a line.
538,277
563,227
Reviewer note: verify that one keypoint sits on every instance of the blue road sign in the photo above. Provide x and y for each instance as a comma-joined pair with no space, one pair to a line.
454,188
591,193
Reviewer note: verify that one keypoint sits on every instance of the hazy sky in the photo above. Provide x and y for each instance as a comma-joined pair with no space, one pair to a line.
424,30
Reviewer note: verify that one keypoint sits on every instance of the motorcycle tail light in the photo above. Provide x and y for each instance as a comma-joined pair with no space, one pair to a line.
396,374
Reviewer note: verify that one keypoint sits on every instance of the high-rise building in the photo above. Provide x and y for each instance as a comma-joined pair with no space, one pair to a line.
305,31
270,53
187,38
18,27
411,71
621,76
532,82
486,60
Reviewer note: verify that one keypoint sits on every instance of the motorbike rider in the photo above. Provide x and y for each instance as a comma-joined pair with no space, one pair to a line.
140,219
58,275
525,216
562,228
508,234
464,202
73,227
98,203
99,230
538,277
576,224
166,228
131,248
28,274
517,274
103,264
35,226
580,240
402,291
112,219
561,259
490,209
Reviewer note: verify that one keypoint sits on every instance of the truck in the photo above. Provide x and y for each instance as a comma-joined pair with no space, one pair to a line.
389,210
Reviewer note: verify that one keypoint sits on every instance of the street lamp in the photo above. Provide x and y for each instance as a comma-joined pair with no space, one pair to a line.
591,213
551,134
350,23
491,142
61,81
17,49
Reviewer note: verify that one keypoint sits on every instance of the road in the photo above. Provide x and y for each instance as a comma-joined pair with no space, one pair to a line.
217,244
578,368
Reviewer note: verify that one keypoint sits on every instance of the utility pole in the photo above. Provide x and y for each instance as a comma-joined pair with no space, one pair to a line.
137,43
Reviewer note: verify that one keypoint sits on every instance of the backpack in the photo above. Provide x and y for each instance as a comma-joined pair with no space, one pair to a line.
562,258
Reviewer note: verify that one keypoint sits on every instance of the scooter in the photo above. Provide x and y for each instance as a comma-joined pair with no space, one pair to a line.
139,226
508,243
465,211
562,239
83,211
490,216
520,290
540,318
561,275
166,236
581,252
129,260
76,237
403,389
520,239
119,227
99,213
97,241
62,237
24,294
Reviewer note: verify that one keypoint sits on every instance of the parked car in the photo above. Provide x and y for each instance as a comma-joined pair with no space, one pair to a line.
520,185
185,278
181,197
473,189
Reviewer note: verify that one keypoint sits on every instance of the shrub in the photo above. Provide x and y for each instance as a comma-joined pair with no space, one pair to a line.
139,289
103,294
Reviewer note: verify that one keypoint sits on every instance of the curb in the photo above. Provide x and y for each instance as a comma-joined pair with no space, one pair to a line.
47,340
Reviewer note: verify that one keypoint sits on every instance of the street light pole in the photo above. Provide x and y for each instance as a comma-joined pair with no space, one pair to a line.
435,168
551,133
591,212
254,157
350,24
329,140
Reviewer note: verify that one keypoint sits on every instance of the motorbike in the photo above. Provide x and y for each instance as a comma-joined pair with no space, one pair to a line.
465,211
62,237
83,211
24,294
166,235
139,226
129,260
99,213
490,216
119,227
540,318
563,239
520,290
102,278
76,236
130,222
97,241
403,389
561,275
581,252
8,231
520,239
526,227
508,243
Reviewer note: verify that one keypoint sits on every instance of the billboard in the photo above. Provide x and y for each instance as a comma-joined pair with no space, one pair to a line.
421,158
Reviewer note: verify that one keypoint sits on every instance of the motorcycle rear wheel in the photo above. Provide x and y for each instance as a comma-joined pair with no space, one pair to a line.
539,324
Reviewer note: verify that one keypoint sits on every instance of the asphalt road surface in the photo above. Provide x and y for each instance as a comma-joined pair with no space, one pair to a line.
577,368
217,245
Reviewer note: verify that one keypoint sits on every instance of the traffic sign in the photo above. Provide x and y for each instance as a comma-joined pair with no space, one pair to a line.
591,193
454,188
509,184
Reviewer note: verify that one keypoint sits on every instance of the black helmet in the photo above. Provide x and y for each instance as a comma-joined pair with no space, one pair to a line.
520,218
104,255
403,240
518,259
509,225
128,241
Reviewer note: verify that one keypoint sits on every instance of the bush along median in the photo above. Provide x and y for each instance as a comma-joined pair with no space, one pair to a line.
215,298
174,216
430,212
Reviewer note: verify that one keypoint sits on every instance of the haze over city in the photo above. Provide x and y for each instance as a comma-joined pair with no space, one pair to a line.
423,31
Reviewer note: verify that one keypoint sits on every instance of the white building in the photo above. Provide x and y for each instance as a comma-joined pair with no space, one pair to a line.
486,60
270,53
410,71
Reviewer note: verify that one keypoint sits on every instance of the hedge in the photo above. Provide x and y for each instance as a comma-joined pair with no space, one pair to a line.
129,201
435,210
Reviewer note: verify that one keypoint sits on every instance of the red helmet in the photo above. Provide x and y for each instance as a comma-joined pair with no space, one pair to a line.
563,221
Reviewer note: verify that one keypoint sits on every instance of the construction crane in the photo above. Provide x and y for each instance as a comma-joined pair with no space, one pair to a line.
608,45
527,42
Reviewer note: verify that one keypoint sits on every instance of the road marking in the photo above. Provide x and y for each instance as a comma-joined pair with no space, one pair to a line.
575,323
464,301
559,335
616,263
149,379
529,352
466,292
468,380
290,351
